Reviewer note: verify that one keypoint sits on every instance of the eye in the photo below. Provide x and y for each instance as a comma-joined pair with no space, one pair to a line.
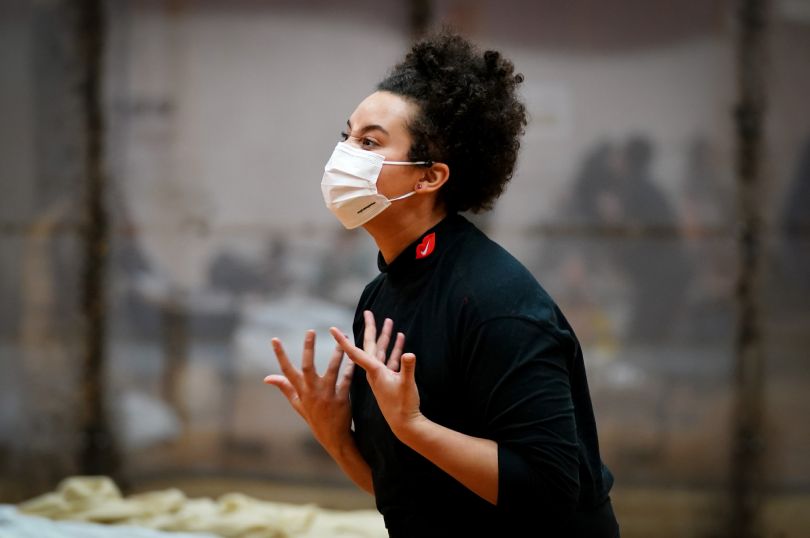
368,142
344,136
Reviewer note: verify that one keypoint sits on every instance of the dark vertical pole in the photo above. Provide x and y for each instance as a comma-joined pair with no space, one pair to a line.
98,452
747,441
421,13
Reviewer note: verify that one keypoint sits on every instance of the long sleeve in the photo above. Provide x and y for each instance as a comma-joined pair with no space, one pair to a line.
517,388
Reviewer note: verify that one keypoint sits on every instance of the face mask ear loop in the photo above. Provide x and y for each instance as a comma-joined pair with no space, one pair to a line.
426,164
411,163
406,195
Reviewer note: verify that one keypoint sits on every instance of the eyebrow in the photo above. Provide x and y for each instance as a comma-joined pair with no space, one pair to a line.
367,128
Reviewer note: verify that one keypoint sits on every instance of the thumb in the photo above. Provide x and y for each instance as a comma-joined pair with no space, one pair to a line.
408,366
283,384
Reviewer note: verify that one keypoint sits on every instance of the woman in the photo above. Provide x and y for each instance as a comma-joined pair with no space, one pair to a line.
475,419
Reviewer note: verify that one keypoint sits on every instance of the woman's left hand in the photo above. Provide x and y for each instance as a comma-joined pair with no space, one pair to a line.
396,392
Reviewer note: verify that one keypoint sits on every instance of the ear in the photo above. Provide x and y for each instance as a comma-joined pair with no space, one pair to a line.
434,177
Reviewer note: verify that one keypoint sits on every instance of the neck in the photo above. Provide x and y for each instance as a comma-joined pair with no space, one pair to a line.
401,229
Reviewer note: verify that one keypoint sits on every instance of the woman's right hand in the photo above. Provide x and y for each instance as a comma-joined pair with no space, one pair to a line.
322,401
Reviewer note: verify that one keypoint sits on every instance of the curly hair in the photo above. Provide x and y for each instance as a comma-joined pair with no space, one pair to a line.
469,118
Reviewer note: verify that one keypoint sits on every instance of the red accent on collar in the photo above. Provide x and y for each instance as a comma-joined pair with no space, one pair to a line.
425,248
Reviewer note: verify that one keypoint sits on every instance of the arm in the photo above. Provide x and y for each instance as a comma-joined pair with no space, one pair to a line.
470,460
517,388
516,377
352,463
323,402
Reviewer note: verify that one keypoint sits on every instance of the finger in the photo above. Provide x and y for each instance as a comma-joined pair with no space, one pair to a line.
308,358
287,389
369,333
408,368
330,377
283,384
357,355
345,381
384,339
396,353
293,375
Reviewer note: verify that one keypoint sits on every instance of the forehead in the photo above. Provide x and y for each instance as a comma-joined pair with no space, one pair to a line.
388,110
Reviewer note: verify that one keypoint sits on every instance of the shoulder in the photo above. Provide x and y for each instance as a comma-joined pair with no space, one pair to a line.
494,284
504,312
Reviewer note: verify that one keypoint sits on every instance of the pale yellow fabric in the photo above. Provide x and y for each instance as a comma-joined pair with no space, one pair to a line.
98,499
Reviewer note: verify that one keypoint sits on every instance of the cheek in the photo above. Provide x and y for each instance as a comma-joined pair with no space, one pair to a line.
395,180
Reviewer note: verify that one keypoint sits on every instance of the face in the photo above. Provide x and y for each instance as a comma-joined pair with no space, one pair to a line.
380,124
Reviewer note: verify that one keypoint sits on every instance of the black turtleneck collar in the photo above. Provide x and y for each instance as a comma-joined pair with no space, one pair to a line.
423,253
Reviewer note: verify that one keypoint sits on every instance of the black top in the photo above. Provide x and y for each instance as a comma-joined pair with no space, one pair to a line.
495,359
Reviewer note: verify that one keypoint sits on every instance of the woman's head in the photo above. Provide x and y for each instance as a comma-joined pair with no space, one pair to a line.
466,115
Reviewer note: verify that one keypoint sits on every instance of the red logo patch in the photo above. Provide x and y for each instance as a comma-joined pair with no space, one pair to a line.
425,248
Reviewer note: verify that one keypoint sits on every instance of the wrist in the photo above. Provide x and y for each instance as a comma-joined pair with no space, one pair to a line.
341,445
413,429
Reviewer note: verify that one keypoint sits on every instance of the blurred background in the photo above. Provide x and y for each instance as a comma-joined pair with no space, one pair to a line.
161,219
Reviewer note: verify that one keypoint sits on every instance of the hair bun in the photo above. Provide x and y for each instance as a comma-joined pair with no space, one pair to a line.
469,115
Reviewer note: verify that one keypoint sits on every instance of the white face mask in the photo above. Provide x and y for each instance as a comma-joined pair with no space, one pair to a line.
349,184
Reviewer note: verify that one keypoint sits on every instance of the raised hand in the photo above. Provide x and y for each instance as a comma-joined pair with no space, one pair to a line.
323,401
377,347
395,391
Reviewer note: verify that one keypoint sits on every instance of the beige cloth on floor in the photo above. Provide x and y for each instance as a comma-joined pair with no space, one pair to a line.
98,499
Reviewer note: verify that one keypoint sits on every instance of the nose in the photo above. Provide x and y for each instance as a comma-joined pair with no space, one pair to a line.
354,142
